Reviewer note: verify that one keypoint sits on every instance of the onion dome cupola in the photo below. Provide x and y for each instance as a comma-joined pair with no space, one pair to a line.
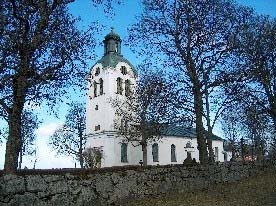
112,51
112,43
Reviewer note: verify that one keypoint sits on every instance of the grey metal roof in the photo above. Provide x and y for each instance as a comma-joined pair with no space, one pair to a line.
112,59
112,35
183,131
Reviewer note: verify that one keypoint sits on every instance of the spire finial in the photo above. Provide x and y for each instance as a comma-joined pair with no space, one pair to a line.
112,29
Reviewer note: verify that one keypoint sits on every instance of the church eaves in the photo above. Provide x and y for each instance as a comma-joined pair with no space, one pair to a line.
112,59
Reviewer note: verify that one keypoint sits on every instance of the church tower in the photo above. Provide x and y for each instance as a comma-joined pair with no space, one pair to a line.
112,76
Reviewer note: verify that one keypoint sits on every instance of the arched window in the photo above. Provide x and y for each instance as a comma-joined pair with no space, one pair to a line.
124,125
119,86
216,154
123,70
97,127
95,88
225,157
101,86
116,47
173,156
127,87
123,152
97,71
155,152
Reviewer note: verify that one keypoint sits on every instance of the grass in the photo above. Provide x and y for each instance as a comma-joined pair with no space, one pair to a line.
259,190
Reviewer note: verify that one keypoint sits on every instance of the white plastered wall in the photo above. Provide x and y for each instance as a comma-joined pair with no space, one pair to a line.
219,145
165,150
106,138
105,114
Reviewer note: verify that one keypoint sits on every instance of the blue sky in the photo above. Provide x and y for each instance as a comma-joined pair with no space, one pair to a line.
124,15
265,7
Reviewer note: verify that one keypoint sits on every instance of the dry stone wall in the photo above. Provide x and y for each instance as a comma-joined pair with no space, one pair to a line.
114,186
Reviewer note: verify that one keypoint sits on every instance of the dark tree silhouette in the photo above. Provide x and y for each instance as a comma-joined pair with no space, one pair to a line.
196,38
258,57
42,53
29,124
70,139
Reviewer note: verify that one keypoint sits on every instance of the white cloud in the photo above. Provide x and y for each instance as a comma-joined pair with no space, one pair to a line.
47,130
46,158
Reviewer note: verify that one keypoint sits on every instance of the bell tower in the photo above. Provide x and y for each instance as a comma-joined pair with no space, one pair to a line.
111,77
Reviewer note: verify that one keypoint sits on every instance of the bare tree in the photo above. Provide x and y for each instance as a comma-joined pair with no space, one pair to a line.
92,157
196,38
42,52
29,124
256,127
70,139
272,149
255,52
246,122
258,56
143,116
231,122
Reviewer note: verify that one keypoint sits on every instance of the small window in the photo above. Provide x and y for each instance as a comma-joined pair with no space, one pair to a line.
116,47
123,152
127,87
173,156
123,70
155,152
97,107
95,88
101,86
119,85
97,71
98,127
225,157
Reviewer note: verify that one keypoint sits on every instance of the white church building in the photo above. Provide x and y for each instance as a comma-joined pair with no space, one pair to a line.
110,77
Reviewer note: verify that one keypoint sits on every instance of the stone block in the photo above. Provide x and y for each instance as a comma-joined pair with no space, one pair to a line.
12,184
25,199
36,184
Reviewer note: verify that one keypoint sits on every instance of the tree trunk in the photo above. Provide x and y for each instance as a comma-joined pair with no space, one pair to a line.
145,154
201,141
14,142
209,132
81,158
242,149
81,149
258,149
20,160
233,149
274,122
